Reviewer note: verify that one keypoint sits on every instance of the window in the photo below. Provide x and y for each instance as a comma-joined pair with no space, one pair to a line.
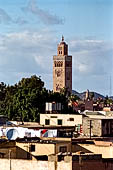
42,157
63,149
32,148
71,119
68,63
47,122
61,64
68,78
59,121
68,75
58,64
53,116
55,64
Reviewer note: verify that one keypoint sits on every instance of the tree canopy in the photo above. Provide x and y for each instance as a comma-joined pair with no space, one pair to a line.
25,100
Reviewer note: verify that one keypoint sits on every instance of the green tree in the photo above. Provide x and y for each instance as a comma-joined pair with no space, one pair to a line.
29,100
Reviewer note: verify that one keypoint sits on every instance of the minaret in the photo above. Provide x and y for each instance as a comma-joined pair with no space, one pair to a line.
87,94
62,68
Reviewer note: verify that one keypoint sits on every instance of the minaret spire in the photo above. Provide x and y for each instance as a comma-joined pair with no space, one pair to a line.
62,38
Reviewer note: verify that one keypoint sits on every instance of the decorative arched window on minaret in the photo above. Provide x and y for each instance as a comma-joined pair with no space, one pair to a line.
62,68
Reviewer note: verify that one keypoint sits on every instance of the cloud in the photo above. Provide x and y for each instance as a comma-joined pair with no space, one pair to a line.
26,53
92,64
4,17
92,56
21,21
45,16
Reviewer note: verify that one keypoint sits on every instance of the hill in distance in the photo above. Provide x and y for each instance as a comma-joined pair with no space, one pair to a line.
82,95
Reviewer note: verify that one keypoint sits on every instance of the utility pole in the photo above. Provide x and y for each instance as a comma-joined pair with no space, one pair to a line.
80,162
9,159
90,127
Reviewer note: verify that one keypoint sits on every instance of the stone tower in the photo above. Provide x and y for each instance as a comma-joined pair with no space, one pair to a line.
62,68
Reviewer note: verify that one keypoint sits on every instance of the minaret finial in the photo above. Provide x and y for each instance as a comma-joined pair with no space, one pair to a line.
62,38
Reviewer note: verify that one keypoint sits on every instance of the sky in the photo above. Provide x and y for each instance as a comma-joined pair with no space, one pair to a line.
31,29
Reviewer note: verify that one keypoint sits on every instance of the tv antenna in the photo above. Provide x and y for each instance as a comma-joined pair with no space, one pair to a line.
110,87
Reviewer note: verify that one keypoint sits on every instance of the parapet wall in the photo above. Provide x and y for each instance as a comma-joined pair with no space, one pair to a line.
18,164
52,164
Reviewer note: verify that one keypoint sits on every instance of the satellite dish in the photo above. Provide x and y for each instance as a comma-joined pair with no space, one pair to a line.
12,134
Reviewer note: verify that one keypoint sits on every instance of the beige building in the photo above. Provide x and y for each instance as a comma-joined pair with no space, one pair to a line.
32,149
60,162
97,124
53,155
60,119
62,68
97,147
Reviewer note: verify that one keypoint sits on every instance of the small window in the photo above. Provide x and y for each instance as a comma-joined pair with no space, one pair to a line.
32,148
59,121
42,157
71,119
55,64
53,116
47,122
63,149
68,78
